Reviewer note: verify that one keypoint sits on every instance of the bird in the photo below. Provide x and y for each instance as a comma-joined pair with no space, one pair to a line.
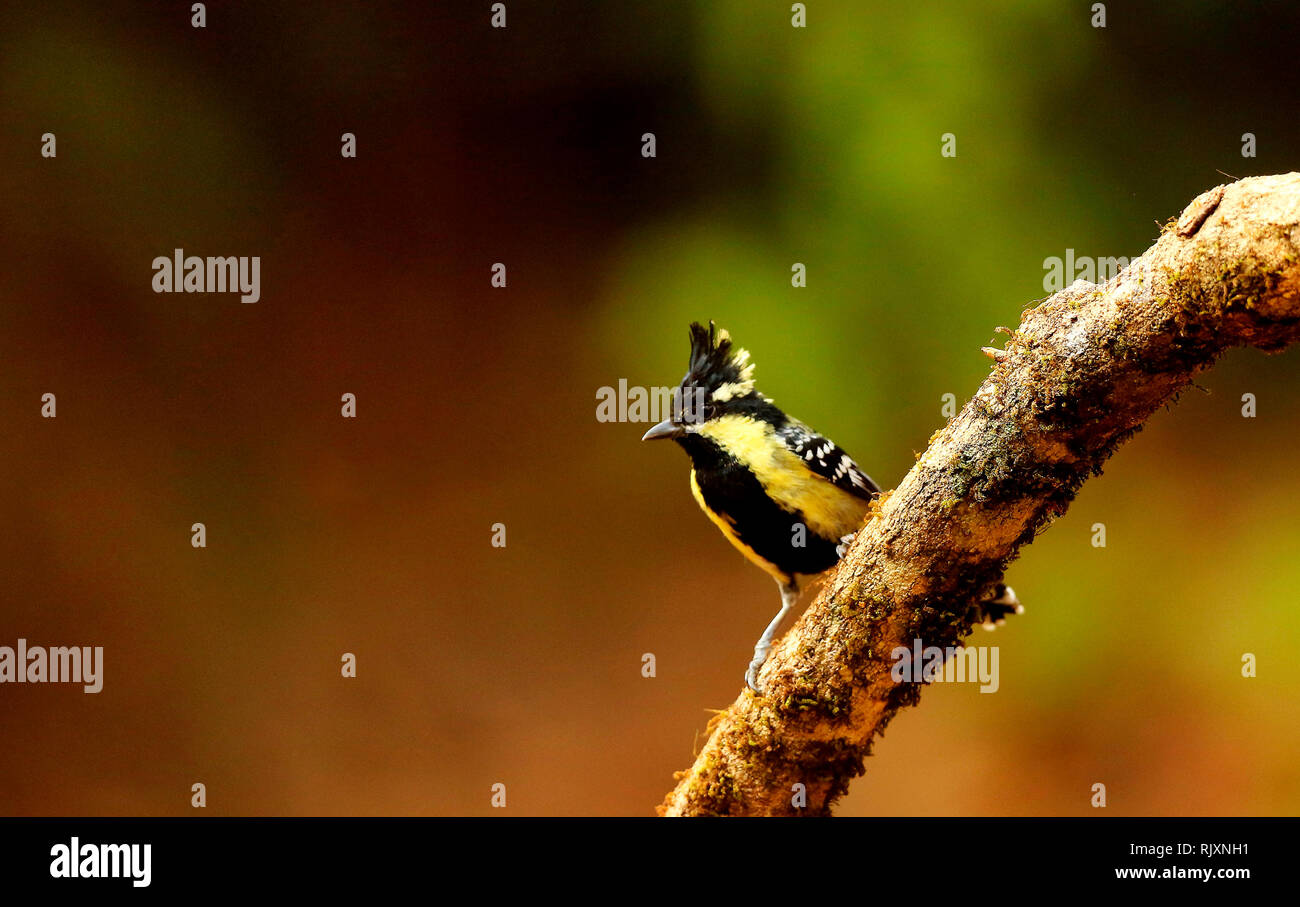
790,499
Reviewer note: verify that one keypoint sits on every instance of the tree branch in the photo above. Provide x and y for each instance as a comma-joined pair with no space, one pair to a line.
1079,376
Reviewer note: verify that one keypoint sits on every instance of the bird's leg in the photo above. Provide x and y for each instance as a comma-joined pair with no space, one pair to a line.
993,611
789,595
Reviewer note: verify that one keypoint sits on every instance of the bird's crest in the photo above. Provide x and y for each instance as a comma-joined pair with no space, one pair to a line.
722,369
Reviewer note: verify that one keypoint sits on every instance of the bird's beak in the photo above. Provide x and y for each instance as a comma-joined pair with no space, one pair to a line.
665,429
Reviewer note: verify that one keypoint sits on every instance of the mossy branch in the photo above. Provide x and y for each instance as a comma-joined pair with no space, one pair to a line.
1079,376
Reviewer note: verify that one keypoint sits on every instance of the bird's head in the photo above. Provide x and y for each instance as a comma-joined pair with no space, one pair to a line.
719,380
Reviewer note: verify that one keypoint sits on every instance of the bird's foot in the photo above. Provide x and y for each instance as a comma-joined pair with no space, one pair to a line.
843,546
993,611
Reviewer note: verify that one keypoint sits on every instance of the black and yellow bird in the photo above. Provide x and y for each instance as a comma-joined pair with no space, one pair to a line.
787,497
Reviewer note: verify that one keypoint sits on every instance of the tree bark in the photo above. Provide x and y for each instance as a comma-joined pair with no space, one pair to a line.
1077,378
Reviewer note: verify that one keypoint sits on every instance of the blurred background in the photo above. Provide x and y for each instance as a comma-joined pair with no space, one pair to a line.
476,405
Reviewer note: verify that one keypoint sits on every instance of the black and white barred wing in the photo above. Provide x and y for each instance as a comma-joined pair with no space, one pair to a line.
826,458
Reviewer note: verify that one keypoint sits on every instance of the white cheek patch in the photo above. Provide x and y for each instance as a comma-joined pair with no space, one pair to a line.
742,387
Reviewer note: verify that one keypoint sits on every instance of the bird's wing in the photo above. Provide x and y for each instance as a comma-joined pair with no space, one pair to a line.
824,457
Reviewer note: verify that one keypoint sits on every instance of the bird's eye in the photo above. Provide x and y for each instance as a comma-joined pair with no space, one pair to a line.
693,407
699,412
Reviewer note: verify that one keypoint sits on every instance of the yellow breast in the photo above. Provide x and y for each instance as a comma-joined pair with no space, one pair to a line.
829,511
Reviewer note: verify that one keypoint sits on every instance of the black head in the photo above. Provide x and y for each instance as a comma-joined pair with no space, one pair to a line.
717,367
719,380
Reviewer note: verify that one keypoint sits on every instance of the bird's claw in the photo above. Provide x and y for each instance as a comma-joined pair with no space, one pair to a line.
845,541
